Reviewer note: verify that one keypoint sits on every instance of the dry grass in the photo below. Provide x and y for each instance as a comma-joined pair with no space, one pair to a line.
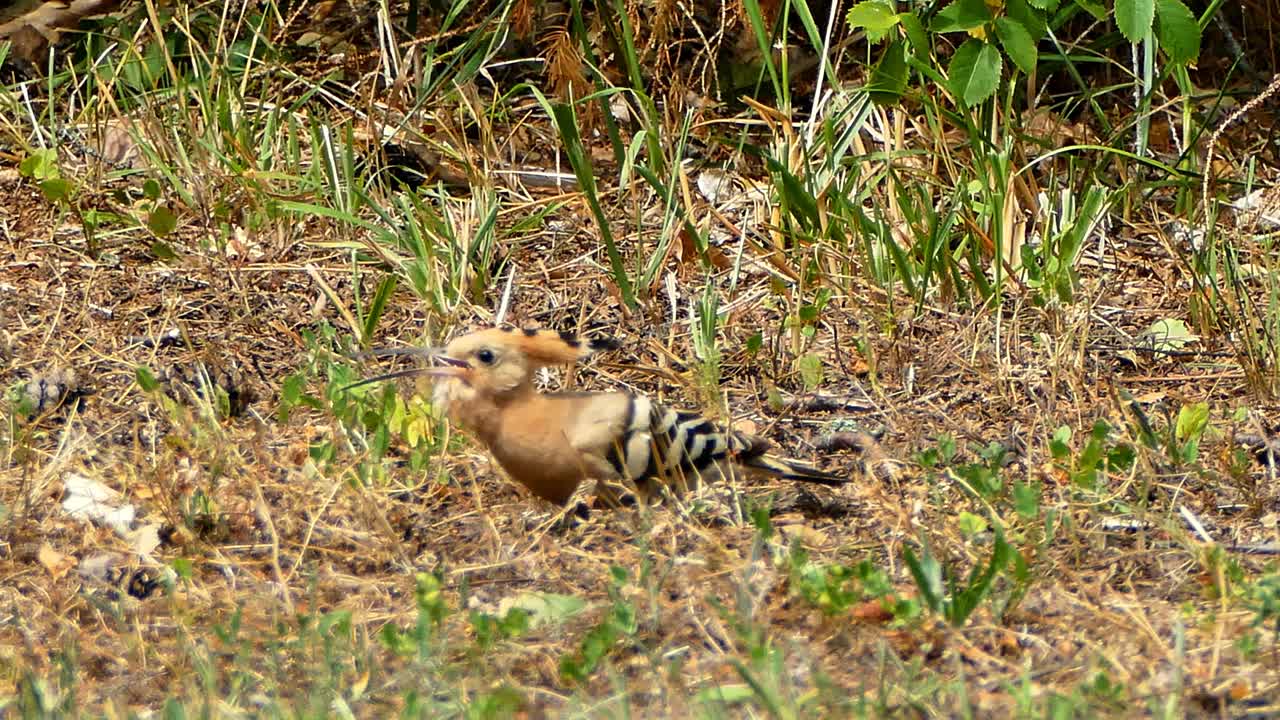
289,555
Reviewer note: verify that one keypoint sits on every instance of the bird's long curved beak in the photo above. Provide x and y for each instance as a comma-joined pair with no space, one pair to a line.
452,367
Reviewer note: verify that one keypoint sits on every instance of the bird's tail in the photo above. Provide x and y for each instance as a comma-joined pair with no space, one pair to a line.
792,470
750,452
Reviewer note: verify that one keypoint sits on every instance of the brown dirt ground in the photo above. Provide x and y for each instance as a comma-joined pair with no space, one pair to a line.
1101,598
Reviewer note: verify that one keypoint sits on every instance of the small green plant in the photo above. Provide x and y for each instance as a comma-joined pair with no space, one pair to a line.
835,588
1100,456
369,416
944,595
1050,265
705,319
618,624
490,629
428,594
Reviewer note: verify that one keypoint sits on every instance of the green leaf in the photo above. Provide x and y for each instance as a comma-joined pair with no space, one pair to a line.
151,189
163,251
1018,43
1167,334
378,306
729,694
810,367
545,608
1029,17
916,35
1093,7
146,380
1050,5
874,16
889,78
40,165
290,395
971,524
961,15
974,72
1026,500
1192,421
1134,17
56,190
1178,31
162,221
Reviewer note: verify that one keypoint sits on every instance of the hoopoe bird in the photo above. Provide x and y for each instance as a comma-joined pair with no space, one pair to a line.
552,442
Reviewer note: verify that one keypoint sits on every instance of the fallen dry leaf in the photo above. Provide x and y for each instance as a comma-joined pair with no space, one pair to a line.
56,563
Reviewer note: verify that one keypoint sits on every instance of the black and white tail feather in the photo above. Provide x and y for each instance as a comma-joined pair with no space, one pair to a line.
679,447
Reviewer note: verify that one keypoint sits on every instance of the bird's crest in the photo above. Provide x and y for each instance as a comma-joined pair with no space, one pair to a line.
548,347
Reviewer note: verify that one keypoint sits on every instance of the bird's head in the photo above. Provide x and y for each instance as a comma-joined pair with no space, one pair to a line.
498,362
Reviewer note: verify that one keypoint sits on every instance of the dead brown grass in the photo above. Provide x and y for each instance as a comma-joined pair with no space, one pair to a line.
1123,589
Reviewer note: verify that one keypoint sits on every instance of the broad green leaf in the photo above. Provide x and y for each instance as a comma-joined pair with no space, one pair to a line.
1134,17
1167,334
810,367
971,524
56,189
1017,43
1178,31
889,78
40,165
961,15
874,16
1050,5
545,608
1094,7
162,221
974,72
1029,17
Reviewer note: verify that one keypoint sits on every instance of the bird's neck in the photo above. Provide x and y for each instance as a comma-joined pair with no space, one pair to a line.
483,412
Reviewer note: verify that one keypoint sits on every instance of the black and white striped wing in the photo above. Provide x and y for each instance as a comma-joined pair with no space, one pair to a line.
665,444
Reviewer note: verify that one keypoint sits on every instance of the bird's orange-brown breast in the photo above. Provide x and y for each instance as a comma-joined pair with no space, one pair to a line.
532,445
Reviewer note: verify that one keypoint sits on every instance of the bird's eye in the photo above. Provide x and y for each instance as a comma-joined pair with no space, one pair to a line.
485,356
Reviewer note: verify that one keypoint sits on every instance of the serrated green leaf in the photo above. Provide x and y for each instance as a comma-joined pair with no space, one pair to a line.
889,78
974,73
1178,31
916,35
961,15
1134,17
1031,18
1017,43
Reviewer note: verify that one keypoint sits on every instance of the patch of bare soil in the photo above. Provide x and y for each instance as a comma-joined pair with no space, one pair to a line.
266,531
